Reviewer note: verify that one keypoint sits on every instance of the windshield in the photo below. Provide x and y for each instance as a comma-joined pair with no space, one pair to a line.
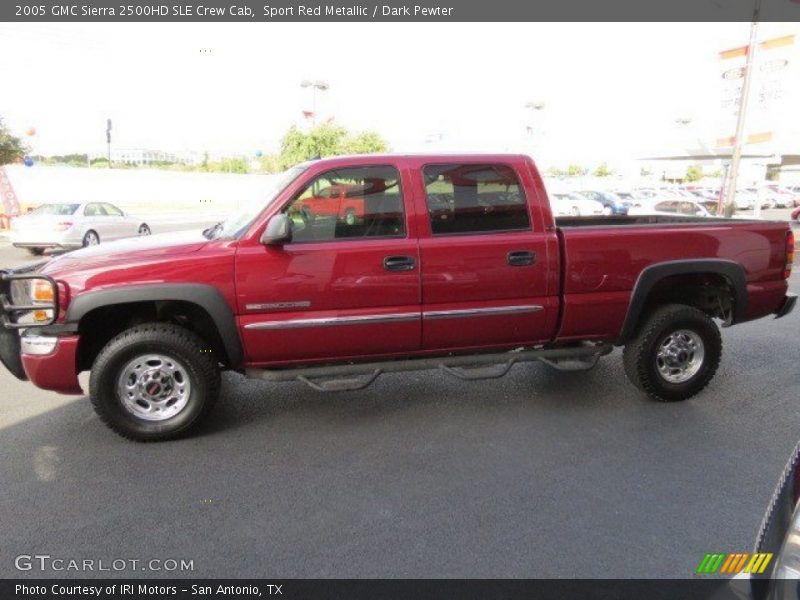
239,221
55,209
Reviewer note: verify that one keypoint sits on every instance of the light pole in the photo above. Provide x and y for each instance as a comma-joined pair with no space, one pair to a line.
682,122
314,85
108,140
535,106
738,141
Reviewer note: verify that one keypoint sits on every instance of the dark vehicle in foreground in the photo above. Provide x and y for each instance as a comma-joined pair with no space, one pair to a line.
456,264
777,549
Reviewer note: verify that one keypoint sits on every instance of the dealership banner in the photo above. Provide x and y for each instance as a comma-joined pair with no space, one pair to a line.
10,203
253,11
371,589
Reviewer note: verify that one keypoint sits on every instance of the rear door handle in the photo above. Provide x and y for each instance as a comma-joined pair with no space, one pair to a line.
399,263
521,258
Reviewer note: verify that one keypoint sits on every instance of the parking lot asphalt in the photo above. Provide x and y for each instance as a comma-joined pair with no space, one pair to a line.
538,474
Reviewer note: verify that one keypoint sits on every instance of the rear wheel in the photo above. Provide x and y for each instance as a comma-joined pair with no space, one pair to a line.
154,382
91,238
36,251
144,229
675,354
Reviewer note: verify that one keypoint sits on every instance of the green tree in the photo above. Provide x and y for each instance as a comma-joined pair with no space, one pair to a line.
694,173
556,172
575,171
368,142
602,171
11,147
327,139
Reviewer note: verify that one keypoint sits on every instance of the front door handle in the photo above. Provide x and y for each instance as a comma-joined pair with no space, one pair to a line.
399,263
521,258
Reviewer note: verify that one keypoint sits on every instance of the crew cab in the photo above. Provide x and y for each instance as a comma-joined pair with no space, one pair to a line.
456,263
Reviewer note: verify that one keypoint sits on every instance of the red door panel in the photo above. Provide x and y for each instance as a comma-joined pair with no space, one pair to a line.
327,300
473,297
475,293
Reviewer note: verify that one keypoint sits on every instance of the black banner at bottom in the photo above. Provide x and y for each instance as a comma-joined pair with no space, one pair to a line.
375,589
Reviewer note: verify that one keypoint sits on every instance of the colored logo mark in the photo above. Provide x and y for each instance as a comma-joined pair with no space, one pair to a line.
741,562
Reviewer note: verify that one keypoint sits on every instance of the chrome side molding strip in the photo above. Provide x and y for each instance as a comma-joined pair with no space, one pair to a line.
330,321
396,317
481,312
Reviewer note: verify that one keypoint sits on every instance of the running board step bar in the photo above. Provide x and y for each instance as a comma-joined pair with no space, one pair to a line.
357,376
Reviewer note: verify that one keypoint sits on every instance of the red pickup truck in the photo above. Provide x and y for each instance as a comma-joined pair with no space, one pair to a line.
341,201
456,263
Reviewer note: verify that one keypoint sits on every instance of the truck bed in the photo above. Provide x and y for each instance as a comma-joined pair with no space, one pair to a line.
603,257
623,220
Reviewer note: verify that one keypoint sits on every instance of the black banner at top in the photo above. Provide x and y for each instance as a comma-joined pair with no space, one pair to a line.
417,11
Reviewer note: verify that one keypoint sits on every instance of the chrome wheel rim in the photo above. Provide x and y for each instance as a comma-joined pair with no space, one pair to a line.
144,230
92,239
154,387
350,218
680,356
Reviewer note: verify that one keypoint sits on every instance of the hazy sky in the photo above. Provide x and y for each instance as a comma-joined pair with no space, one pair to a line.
609,90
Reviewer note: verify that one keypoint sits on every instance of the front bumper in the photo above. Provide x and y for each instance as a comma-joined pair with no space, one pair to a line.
48,362
787,306
56,370
31,351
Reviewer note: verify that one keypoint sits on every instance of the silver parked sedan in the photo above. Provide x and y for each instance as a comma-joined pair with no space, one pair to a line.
70,225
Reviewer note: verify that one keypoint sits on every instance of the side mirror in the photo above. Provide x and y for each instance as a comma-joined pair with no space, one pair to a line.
278,231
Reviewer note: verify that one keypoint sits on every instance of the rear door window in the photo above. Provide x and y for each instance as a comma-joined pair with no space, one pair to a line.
474,198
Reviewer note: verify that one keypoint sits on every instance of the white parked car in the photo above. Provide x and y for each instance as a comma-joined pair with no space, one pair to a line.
67,225
573,204
670,206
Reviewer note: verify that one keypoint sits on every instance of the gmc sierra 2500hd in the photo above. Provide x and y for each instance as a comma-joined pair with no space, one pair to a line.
454,262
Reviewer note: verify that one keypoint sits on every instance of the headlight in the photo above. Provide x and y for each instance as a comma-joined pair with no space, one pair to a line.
33,292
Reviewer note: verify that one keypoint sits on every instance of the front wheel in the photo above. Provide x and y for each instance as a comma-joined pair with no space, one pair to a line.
36,251
154,382
675,354
144,229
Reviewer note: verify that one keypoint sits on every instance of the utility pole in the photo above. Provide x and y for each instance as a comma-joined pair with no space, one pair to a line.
108,140
314,85
739,141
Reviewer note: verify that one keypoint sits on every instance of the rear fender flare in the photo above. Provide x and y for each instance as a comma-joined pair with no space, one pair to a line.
652,274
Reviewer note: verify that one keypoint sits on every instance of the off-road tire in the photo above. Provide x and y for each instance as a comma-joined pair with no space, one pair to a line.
165,339
639,355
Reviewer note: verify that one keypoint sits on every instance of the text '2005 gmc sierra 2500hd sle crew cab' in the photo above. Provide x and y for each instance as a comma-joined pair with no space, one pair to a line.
452,262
